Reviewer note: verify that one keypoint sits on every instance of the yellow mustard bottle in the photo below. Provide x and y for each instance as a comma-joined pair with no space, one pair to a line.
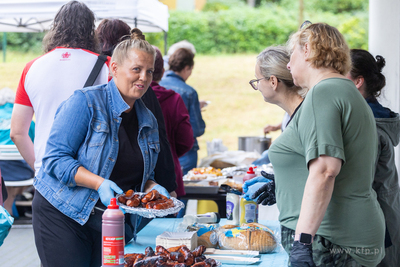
248,211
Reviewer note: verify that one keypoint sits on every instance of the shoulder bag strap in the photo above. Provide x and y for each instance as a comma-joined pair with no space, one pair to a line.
96,70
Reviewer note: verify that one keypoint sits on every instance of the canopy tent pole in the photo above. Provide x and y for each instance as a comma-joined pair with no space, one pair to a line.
4,46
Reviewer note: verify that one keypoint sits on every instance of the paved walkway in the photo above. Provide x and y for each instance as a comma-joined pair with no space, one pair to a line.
18,249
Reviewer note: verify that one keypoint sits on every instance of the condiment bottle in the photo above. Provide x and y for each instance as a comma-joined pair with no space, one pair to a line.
250,174
113,236
209,217
248,211
232,206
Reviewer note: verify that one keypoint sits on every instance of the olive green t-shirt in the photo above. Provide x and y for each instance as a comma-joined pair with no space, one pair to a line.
334,120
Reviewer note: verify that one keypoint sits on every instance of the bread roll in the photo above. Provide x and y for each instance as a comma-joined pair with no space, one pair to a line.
209,239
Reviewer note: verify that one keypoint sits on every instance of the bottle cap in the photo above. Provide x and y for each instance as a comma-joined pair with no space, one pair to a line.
113,204
251,170
218,217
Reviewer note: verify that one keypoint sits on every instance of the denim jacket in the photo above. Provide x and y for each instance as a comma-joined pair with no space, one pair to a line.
85,133
173,81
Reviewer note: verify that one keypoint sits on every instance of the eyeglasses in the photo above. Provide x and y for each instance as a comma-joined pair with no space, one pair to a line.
254,83
305,24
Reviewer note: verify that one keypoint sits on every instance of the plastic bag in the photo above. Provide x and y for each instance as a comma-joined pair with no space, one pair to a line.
252,236
6,221
206,234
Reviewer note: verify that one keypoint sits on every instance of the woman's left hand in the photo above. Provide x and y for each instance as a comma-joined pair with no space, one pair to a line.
161,190
301,255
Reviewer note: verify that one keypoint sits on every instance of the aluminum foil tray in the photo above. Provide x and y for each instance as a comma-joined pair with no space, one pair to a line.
152,213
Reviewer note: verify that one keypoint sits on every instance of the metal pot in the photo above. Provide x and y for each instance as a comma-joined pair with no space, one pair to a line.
254,143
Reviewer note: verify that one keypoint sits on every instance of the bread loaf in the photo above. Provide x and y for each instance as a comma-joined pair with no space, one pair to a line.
228,226
247,239
262,241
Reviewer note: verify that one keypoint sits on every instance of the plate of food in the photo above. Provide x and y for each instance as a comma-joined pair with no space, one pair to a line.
149,205
202,173
179,256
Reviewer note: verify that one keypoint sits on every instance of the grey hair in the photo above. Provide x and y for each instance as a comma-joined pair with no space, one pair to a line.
273,61
136,41
181,44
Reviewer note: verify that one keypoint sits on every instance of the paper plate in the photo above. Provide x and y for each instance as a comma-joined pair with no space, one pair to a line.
152,213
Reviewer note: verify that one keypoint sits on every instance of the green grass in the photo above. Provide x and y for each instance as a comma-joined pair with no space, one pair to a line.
235,109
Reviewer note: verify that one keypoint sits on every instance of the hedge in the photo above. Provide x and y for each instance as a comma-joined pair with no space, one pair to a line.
251,30
236,30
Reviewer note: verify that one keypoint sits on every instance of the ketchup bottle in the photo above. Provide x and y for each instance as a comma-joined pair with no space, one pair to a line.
113,236
250,174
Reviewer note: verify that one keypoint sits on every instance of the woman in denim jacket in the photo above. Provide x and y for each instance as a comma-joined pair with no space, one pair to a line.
103,141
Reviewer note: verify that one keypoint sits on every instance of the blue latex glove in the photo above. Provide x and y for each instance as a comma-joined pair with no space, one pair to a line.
263,159
106,191
161,190
301,255
252,185
250,190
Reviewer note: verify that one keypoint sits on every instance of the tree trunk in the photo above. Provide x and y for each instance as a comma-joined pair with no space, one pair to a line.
251,3
301,12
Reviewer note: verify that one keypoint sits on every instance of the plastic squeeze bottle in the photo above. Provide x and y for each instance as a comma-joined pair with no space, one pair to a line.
250,174
232,206
248,211
209,217
113,236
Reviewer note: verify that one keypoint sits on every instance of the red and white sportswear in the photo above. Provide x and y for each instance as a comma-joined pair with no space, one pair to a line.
49,80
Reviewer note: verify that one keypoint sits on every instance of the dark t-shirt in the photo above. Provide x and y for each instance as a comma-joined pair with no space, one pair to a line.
129,167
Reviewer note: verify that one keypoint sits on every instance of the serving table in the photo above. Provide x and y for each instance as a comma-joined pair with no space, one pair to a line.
147,237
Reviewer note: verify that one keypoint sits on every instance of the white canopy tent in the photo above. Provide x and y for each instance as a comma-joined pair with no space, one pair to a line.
37,15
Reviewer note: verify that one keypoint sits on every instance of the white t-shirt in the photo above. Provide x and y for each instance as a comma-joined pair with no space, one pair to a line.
49,80
285,120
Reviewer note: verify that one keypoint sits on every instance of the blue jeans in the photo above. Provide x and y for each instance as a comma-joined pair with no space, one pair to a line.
188,161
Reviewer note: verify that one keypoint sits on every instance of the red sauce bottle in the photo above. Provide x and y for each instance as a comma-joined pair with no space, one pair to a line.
113,236
250,174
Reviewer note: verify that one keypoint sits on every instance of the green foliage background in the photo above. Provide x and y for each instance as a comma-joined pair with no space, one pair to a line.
227,27
230,26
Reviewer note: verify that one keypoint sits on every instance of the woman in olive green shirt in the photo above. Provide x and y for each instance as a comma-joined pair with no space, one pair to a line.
332,146
324,160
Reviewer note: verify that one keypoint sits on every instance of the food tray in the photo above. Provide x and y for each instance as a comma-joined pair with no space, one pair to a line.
151,213
201,189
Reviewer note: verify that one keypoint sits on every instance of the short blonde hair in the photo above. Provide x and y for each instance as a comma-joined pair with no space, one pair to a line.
135,41
328,48
273,61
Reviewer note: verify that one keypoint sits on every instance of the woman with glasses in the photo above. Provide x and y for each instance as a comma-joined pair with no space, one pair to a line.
366,73
271,67
324,161
275,83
